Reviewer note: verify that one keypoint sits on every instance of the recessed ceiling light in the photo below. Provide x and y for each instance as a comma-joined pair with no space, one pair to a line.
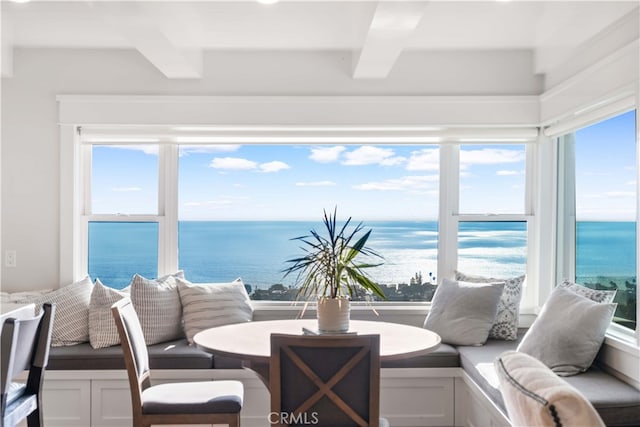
21,1
267,1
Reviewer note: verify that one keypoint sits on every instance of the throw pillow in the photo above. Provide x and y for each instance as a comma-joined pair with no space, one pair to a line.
102,327
534,395
596,295
205,305
157,304
505,326
568,332
71,321
462,313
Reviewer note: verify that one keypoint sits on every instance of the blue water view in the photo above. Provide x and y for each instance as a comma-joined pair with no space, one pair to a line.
256,251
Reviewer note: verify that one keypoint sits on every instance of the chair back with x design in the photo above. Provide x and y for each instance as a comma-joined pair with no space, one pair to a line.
330,380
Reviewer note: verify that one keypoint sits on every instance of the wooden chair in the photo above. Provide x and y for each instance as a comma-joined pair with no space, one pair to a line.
329,380
202,402
25,346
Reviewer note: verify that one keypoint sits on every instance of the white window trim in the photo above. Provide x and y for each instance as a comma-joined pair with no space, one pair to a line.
618,336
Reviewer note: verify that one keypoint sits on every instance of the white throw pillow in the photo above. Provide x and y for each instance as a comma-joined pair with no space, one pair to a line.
71,320
535,396
505,326
157,304
205,305
568,332
102,326
462,313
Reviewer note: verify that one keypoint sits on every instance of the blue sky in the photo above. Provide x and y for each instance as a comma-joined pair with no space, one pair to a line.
295,182
606,170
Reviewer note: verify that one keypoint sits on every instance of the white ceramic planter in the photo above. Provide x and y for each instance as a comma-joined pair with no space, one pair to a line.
333,314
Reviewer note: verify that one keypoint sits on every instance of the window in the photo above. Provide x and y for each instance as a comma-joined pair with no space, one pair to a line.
118,250
239,206
225,211
492,229
605,210
124,179
121,211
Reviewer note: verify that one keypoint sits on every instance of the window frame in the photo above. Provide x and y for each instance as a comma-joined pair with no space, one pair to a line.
166,218
617,335
448,220
449,212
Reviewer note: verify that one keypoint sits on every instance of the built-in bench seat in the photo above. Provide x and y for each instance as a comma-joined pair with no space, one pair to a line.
176,354
617,402
179,354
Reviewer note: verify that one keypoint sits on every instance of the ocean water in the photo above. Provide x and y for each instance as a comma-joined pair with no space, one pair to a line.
256,251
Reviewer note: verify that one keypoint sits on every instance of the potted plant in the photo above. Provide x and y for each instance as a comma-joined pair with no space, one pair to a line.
332,270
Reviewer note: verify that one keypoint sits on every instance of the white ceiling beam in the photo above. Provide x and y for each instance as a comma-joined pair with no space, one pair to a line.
132,22
392,24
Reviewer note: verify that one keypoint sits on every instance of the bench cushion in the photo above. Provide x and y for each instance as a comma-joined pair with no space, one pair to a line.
445,356
617,403
177,354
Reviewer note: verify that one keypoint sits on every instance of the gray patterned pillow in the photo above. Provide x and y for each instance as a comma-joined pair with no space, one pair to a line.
157,304
71,322
596,295
205,305
102,327
505,326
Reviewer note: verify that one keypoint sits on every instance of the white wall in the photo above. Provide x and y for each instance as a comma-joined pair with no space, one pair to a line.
30,135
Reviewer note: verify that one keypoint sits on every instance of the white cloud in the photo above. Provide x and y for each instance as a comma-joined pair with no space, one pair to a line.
424,160
274,166
315,184
407,183
151,149
490,156
232,163
369,155
506,173
200,149
125,189
326,154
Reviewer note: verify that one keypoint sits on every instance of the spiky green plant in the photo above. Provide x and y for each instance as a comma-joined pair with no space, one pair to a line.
331,264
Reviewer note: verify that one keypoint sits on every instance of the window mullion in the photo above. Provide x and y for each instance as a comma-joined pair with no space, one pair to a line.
566,209
168,209
449,200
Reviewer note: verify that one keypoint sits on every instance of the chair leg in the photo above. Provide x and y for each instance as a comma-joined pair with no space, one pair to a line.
34,419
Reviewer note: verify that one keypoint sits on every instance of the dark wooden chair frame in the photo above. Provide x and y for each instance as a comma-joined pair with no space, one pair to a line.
25,346
140,380
282,346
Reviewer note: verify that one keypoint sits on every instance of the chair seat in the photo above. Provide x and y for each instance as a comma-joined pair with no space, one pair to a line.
193,398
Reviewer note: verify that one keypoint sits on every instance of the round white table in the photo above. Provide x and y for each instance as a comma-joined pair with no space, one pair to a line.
251,341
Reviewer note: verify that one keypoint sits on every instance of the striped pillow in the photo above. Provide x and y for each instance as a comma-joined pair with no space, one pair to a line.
157,304
205,305
71,321
102,327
